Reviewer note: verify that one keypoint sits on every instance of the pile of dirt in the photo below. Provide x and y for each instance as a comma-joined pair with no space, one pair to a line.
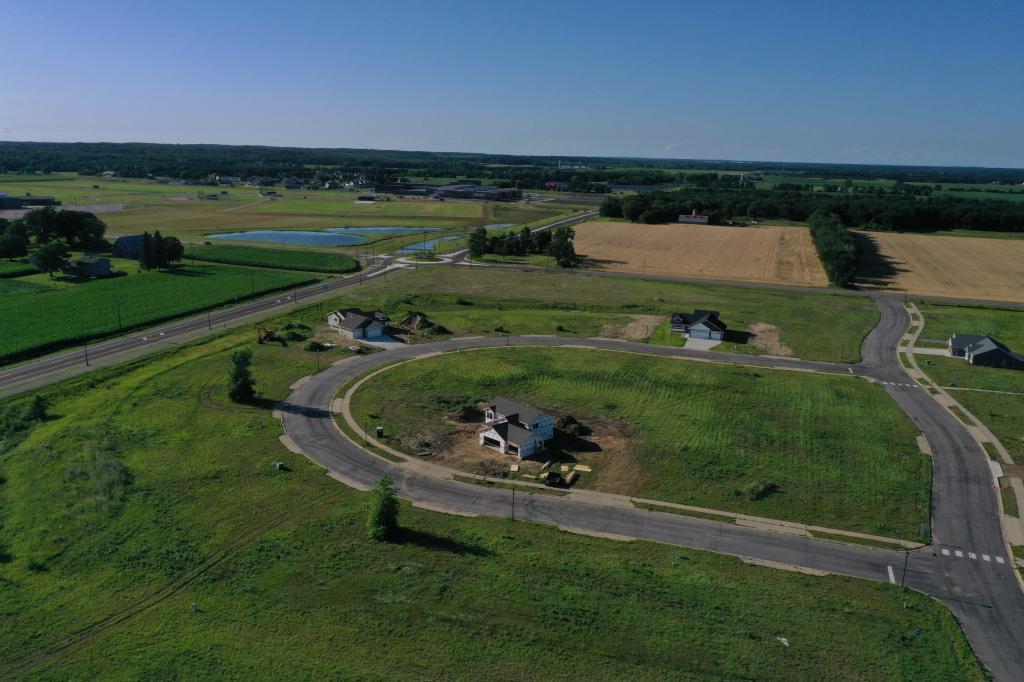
418,322
639,328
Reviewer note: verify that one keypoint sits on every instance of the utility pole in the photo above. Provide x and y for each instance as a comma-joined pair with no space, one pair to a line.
119,314
209,319
252,283
513,504
906,560
318,360
85,347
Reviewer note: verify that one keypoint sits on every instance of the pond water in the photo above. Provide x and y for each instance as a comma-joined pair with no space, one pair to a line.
428,245
292,237
498,226
382,230
331,236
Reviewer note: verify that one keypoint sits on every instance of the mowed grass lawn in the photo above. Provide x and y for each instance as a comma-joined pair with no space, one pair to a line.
14,268
942,321
472,301
841,452
1003,414
147,477
40,315
285,259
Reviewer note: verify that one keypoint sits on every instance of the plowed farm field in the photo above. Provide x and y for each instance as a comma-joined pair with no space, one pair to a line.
780,255
929,265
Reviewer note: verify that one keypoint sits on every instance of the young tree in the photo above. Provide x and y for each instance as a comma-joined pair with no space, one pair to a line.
382,517
561,247
241,384
159,251
146,257
477,242
50,257
173,250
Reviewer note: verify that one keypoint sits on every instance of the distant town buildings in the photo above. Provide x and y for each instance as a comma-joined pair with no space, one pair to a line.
467,189
693,218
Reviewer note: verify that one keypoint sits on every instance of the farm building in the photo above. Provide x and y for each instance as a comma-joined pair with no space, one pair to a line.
87,266
127,247
693,218
467,189
702,324
984,351
354,323
515,428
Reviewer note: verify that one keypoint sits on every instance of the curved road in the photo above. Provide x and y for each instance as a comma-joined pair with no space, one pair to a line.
967,567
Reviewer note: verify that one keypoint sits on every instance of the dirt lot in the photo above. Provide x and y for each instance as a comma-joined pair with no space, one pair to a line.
962,267
768,253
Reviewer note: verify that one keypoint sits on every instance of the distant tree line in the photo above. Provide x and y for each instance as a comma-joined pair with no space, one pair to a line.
557,244
880,212
197,161
835,246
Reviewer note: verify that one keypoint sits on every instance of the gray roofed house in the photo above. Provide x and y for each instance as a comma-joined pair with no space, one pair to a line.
516,428
87,266
990,353
127,247
354,323
958,343
701,324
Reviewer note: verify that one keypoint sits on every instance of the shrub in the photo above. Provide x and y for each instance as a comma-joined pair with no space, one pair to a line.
382,517
315,346
758,490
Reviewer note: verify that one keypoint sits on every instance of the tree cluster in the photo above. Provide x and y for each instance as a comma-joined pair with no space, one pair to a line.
557,244
78,229
888,212
835,246
13,239
158,252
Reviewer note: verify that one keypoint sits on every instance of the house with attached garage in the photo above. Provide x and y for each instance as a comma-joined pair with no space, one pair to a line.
354,323
515,428
702,324
87,267
983,351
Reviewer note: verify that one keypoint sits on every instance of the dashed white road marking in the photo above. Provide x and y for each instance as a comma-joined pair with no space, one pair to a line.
945,552
986,557
972,555
959,554
892,577
999,559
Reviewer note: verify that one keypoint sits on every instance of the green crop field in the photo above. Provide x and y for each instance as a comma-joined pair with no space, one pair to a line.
146,536
1002,414
285,259
842,453
54,315
470,301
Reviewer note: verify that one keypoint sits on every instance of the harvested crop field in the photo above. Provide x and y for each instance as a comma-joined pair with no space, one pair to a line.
780,255
961,267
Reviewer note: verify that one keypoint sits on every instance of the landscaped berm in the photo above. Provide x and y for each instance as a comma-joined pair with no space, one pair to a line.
829,450
780,255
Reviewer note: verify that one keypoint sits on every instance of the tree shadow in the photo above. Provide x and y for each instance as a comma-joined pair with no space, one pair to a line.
432,541
873,267
185,271
290,408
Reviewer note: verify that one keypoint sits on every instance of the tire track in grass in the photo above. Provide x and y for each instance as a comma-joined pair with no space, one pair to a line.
128,612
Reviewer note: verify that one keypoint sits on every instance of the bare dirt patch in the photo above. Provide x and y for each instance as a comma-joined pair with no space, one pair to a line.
766,337
638,329
767,253
929,265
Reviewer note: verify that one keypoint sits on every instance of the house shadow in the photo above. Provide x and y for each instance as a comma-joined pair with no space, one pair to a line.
291,408
432,541
739,337
598,262
874,269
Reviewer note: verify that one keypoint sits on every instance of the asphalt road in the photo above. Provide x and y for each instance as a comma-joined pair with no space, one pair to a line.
967,566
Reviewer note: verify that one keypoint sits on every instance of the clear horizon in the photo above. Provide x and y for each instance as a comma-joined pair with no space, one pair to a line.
803,84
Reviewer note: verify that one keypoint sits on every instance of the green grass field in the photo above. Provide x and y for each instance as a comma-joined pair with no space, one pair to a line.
1002,414
13,268
942,321
471,301
840,451
181,210
285,259
148,482
52,315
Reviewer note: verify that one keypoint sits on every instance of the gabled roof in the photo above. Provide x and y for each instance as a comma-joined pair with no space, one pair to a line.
513,433
355,321
987,345
709,317
962,341
513,410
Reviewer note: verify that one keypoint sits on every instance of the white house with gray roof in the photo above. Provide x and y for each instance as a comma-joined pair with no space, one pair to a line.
515,428
984,351
354,323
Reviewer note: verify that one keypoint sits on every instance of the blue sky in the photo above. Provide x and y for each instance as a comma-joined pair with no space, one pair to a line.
860,82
